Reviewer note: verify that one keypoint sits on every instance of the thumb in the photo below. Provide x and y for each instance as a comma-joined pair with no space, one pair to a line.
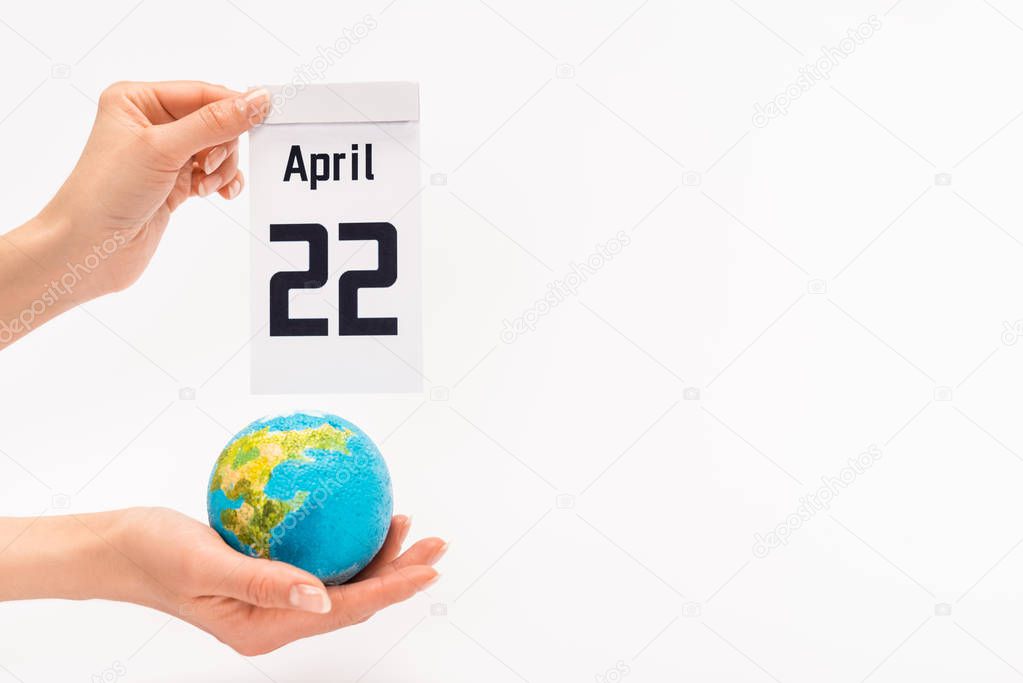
267,583
213,124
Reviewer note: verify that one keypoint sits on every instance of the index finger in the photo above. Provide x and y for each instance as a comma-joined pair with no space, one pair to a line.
351,604
181,98
354,602
396,535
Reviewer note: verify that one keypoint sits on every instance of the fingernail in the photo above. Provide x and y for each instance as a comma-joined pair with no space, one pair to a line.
439,554
435,579
255,103
207,186
214,159
233,189
404,529
309,598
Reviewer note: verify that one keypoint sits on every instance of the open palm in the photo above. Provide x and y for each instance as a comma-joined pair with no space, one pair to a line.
256,605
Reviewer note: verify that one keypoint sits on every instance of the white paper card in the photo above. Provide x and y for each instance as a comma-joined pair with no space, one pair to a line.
335,263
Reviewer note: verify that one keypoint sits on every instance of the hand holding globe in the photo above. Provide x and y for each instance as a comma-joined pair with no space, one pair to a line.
259,493
309,495
308,489
168,561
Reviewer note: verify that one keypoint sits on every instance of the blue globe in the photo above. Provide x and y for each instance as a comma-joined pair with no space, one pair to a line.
308,489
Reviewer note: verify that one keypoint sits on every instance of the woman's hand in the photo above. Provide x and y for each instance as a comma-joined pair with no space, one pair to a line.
165,560
152,146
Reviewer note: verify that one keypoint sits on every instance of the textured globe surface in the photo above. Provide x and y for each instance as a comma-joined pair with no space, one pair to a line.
308,489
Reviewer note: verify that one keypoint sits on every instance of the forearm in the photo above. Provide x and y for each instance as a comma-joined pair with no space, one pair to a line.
74,557
42,274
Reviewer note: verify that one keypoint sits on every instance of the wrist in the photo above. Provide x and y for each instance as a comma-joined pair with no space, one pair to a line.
88,553
122,566
79,253
37,282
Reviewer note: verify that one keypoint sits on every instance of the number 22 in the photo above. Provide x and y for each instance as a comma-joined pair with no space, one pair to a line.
349,284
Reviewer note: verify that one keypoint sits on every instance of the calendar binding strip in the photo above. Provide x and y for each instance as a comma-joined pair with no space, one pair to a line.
375,102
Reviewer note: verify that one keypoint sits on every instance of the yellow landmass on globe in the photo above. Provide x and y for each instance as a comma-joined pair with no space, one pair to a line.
244,468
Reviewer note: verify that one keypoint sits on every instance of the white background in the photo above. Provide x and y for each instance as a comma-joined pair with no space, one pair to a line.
914,571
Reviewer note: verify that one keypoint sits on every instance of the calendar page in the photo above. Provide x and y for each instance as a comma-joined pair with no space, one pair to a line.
336,262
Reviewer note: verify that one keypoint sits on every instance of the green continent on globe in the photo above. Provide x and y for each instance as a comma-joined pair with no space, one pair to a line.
244,468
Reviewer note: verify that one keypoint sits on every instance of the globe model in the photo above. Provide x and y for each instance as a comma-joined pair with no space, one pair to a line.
308,489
